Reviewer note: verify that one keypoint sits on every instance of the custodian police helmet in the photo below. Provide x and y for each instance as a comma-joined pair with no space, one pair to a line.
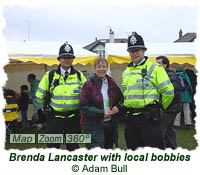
66,50
135,42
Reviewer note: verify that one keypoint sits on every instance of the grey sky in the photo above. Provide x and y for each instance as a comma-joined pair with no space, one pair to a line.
80,23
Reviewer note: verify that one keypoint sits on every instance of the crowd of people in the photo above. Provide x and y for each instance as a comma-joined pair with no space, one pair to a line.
151,100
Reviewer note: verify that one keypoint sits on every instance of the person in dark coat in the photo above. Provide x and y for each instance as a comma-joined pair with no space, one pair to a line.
193,80
186,98
34,83
174,108
23,104
99,103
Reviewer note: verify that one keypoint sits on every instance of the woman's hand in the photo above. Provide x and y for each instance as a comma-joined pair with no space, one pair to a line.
107,113
114,110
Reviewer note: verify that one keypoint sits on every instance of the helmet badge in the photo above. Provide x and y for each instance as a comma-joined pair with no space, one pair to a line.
133,40
67,48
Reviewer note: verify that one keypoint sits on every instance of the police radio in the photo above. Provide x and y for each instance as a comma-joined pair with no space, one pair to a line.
144,72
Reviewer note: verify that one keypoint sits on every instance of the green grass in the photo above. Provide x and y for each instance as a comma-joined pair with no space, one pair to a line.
185,139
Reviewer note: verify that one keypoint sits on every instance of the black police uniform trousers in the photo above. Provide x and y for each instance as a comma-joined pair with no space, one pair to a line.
143,132
169,130
66,125
41,117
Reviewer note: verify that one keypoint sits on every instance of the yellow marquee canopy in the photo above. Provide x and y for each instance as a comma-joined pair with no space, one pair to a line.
180,53
46,53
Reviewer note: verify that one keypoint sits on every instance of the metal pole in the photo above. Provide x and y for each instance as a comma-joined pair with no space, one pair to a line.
29,30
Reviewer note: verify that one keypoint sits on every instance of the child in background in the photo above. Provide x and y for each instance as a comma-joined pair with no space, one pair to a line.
23,104
10,111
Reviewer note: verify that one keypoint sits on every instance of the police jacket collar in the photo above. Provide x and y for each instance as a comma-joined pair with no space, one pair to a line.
132,64
71,72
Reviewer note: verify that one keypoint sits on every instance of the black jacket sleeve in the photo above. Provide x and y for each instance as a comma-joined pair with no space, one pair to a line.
175,105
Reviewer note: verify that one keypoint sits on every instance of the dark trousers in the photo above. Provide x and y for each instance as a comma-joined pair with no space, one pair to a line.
24,118
108,134
142,132
95,128
41,116
169,130
64,126
11,127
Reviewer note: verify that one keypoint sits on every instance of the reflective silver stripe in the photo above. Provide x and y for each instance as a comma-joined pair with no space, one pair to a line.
67,83
65,97
42,91
137,73
39,99
76,91
132,73
149,88
162,85
142,81
151,70
124,88
168,93
64,105
73,83
141,87
153,96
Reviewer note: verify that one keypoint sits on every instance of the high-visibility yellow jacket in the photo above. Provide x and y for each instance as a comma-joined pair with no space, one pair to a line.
139,92
10,111
64,96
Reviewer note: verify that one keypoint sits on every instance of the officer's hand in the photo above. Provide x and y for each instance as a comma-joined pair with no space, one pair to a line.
114,110
107,113
44,110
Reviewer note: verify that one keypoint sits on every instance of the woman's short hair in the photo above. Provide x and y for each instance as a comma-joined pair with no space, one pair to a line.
98,60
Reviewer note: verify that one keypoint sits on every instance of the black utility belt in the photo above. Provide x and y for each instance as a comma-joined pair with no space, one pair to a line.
141,115
147,113
66,114
151,109
136,110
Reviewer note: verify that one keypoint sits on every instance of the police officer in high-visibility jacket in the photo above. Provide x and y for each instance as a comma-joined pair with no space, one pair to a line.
65,88
147,92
